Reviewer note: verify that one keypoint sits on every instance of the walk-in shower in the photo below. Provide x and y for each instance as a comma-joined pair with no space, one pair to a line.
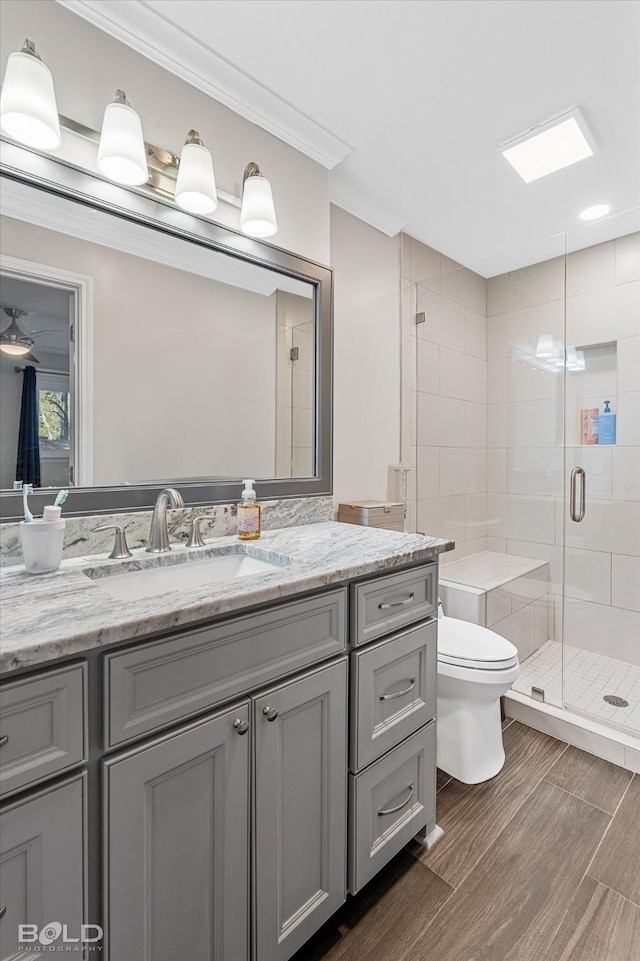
521,398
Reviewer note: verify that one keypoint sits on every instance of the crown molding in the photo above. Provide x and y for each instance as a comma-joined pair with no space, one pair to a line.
148,32
386,221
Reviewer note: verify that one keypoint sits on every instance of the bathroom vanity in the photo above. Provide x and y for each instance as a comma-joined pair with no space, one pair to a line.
206,773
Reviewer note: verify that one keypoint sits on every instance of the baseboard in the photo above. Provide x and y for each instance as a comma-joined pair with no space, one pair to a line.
591,736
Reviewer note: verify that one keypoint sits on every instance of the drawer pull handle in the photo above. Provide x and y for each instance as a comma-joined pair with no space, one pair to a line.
392,697
4,740
3,910
241,726
398,807
407,600
270,713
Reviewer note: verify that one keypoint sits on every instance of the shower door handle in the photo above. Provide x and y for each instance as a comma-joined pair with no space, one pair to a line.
577,513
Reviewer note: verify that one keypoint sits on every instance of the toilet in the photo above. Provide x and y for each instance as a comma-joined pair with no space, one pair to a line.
475,668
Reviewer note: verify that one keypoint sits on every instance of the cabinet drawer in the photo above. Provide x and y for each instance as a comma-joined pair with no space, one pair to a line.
389,803
393,692
385,604
42,726
156,684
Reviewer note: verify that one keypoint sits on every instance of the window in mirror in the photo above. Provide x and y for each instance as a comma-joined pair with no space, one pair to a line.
44,319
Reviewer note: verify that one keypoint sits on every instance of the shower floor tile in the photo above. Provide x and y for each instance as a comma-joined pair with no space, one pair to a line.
588,677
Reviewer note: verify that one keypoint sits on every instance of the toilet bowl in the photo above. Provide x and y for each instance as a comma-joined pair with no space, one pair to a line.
475,668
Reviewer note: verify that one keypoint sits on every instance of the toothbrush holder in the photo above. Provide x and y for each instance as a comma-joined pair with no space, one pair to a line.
42,545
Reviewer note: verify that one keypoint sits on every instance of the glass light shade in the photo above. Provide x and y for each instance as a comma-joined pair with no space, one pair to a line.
571,359
121,156
28,109
196,185
258,214
17,350
544,347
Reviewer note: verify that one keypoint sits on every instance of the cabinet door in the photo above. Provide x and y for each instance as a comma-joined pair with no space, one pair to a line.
42,874
177,835
300,805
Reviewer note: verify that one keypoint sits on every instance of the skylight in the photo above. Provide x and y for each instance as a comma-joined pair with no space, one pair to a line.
549,146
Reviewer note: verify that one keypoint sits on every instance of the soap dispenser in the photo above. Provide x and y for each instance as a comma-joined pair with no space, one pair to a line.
248,514
607,425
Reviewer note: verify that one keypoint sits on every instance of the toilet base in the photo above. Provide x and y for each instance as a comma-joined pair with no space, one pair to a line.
469,739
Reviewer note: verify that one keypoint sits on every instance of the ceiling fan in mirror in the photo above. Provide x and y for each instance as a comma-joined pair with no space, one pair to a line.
14,340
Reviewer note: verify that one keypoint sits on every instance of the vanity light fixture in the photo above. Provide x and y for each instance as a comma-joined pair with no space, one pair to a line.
13,340
29,115
549,146
121,155
593,213
196,184
28,110
258,214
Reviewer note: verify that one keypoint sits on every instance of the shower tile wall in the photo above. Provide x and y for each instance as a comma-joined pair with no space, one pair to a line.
525,499
294,387
444,413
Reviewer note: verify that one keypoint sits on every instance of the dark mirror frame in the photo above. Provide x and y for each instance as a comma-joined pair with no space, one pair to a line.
47,174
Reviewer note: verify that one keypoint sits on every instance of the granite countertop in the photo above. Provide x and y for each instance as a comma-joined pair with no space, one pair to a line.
48,616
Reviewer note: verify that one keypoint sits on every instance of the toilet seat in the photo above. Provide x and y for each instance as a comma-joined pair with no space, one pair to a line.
467,645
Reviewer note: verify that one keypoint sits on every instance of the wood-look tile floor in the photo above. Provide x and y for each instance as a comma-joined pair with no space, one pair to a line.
542,863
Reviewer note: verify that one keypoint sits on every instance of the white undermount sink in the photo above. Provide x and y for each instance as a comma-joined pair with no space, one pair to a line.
183,572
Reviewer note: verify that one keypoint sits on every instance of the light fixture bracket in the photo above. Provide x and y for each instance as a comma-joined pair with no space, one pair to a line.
30,48
251,170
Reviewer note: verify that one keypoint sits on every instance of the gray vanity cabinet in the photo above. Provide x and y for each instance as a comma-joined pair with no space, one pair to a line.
299,827
176,820
42,869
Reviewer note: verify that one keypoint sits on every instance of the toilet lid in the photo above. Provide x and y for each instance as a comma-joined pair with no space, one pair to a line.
469,645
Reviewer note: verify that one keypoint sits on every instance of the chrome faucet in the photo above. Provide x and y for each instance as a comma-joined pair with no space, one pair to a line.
159,531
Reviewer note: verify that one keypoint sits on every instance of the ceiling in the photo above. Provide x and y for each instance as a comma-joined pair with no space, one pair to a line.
406,101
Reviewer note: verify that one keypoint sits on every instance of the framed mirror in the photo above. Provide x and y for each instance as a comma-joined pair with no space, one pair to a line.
142,347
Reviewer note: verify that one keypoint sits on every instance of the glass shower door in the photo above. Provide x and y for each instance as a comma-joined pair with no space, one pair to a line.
600,517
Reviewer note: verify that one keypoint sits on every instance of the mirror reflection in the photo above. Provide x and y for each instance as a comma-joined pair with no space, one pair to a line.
133,357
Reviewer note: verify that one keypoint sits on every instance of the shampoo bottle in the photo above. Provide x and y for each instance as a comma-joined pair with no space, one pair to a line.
607,425
248,514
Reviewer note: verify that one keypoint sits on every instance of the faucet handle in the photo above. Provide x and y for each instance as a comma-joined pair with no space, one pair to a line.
120,546
195,534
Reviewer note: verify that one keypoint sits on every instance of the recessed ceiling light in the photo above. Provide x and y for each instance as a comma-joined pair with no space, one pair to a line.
549,146
592,213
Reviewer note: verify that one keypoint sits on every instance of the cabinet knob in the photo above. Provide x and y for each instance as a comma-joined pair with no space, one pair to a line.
270,713
241,726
